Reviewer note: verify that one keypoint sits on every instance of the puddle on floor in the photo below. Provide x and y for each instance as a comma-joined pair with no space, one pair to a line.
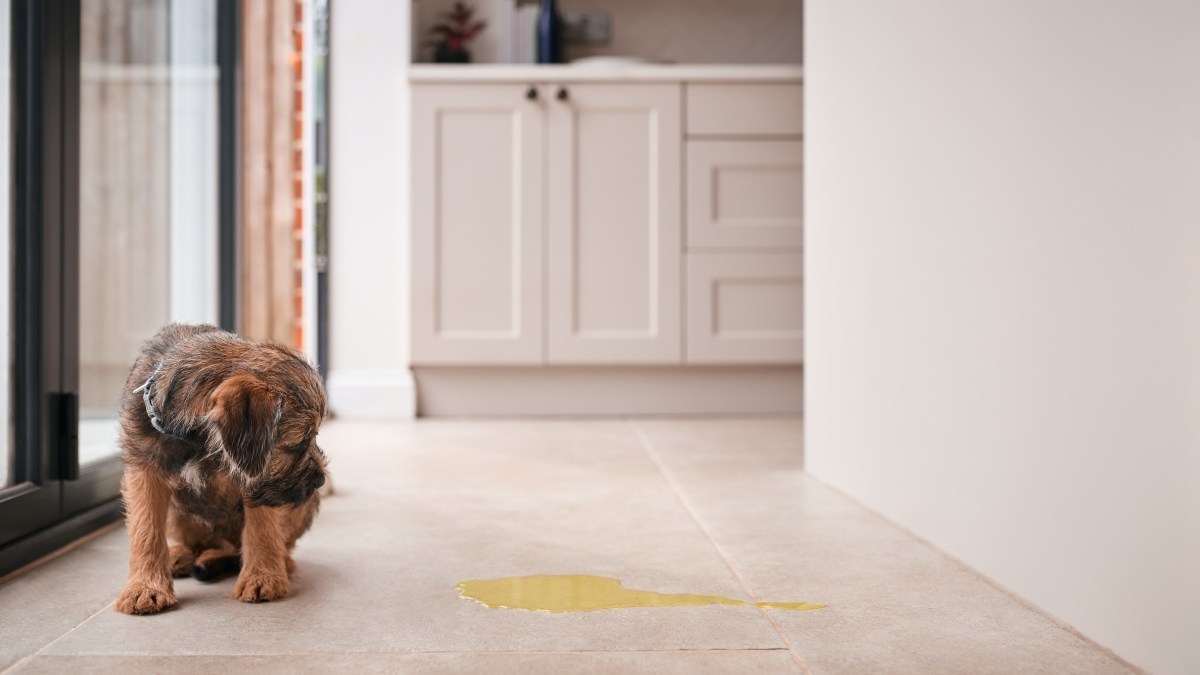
586,593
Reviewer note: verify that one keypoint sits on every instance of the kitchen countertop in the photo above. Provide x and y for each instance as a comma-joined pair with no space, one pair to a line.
637,72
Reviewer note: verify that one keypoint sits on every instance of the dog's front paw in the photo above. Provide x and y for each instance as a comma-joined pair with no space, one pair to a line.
261,587
146,597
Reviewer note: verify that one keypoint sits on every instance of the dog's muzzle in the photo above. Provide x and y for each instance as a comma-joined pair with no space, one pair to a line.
294,494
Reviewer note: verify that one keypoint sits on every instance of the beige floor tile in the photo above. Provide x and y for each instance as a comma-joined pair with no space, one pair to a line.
895,603
419,508
44,603
565,663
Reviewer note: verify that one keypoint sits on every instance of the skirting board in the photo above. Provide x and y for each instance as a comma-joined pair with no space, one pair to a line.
684,390
371,394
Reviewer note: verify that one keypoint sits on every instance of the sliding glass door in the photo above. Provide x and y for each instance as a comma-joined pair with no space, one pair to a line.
115,198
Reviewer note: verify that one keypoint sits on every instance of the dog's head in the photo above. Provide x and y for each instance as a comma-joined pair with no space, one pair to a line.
264,422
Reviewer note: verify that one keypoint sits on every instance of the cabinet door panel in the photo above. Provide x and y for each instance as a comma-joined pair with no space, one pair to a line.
614,228
745,308
477,225
745,194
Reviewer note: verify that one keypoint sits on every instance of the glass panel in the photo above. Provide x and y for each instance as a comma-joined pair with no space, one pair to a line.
148,189
7,451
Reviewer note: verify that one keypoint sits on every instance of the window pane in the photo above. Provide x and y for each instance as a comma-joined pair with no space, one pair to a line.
148,189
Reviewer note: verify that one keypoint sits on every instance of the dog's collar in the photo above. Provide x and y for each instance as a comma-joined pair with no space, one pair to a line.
147,390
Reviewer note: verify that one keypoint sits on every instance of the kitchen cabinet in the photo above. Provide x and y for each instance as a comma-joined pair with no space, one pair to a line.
593,170
648,220
745,224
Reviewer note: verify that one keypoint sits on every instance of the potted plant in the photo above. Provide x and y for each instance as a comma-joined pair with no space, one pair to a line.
454,32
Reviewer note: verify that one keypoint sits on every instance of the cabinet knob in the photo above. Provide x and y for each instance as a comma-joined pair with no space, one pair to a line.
562,93
531,94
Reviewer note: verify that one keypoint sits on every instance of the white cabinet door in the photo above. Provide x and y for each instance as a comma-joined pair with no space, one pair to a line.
745,194
477,224
614,227
745,308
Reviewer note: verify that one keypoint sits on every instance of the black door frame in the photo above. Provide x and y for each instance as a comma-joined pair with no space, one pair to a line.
34,501
229,64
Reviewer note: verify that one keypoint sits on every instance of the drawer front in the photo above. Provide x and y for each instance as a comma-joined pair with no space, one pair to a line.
745,109
745,194
745,308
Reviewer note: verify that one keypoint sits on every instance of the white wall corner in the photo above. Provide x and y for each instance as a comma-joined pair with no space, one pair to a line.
372,394
369,376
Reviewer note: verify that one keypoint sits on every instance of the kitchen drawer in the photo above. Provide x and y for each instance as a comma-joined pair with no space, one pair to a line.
745,194
745,308
745,109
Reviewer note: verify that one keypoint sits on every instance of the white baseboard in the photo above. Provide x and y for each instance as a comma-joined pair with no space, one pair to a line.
372,394
648,390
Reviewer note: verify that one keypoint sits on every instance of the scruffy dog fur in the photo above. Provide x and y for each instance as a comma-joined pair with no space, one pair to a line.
218,439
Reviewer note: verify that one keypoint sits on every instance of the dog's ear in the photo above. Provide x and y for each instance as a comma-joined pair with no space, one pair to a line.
244,414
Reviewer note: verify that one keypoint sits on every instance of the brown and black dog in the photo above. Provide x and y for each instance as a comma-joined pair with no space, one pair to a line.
218,439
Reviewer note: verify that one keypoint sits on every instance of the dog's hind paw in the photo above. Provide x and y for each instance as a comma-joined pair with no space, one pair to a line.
181,561
139,597
215,564
261,587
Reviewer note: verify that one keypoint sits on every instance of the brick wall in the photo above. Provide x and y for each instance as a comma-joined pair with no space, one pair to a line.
273,196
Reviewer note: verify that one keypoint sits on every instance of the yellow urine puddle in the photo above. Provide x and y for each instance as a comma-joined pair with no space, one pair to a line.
586,593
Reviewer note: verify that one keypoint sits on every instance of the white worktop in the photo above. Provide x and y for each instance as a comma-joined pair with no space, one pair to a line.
648,72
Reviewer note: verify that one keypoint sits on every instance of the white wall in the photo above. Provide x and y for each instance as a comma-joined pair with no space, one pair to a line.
1003,310
368,179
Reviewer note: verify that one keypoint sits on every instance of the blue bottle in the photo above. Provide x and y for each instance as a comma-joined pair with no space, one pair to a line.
550,30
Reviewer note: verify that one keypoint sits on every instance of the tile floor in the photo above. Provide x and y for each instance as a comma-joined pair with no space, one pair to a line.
681,506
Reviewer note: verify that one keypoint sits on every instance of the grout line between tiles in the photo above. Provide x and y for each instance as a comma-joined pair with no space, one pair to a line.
648,447
435,652
55,641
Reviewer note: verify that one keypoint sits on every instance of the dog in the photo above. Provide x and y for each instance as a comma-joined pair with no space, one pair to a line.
218,442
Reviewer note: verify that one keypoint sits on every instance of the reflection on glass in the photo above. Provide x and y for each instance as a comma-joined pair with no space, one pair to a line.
148,189
7,458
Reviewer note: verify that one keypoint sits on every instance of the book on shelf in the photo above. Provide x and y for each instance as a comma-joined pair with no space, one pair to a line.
523,36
